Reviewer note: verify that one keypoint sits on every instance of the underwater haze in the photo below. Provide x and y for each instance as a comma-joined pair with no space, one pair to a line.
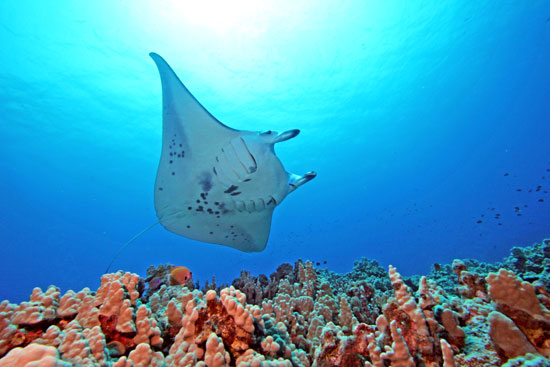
427,122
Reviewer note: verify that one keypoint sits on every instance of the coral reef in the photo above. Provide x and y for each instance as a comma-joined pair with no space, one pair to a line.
462,314
531,263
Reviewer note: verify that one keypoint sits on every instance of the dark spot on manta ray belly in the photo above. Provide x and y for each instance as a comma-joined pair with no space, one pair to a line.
235,193
205,181
223,209
231,189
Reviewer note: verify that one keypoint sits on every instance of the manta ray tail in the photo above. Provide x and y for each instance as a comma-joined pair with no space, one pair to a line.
127,243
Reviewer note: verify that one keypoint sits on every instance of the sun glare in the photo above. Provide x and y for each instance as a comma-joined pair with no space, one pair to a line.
217,16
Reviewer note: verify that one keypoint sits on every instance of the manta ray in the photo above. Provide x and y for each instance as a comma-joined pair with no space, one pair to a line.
216,184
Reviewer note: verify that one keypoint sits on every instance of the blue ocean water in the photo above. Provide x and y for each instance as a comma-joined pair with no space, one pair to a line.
424,120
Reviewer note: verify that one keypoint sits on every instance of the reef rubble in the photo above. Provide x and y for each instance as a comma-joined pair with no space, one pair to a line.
461,314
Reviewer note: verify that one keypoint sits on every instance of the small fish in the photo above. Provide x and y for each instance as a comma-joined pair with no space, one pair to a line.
116,348
180,275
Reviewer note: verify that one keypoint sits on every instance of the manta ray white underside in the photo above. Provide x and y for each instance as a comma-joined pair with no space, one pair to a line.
216,184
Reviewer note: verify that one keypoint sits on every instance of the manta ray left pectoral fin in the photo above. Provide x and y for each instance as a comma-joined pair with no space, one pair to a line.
179,105
190,142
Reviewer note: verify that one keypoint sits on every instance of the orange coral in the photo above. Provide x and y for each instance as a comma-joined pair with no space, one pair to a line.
306,319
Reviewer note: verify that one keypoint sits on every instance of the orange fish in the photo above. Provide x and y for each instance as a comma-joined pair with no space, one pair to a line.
180,275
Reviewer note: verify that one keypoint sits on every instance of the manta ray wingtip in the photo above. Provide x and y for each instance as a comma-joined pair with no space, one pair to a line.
156,57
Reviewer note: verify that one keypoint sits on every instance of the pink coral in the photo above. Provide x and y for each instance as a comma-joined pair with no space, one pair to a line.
33,355
301,317
41,307
517,300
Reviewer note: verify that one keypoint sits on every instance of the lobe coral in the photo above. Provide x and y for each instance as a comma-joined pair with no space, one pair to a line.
464,314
